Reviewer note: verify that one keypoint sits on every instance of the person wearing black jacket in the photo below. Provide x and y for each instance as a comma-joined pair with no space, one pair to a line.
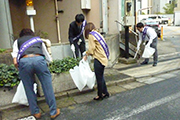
76,37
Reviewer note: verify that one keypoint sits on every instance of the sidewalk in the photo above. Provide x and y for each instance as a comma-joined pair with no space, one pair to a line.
120,77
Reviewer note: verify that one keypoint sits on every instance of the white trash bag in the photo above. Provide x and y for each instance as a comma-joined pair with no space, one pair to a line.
20,95
86,73
77,78
148,52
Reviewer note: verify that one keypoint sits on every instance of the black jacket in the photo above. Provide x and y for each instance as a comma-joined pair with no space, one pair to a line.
74,31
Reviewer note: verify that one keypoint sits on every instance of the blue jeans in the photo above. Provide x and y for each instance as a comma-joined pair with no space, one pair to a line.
30,66
99,72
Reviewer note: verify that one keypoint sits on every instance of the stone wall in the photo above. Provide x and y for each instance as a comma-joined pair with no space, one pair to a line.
6,57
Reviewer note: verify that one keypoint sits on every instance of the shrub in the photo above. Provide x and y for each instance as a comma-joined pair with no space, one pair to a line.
64,65
2,50
8,76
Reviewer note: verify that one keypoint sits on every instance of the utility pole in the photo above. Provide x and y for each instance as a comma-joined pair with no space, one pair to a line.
128,21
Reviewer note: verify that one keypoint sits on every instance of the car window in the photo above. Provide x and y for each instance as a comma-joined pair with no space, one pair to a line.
153,17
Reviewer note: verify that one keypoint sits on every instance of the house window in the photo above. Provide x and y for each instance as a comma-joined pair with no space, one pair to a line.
175,5
169,2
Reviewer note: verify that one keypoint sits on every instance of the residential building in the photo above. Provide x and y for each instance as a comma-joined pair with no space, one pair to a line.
157,6
177,6
53,17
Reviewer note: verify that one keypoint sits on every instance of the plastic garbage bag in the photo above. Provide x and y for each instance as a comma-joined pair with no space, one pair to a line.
148,52
77,78
20,95
86,73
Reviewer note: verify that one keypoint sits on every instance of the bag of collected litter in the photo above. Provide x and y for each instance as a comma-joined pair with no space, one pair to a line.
148,52
77,78
20,95
86,73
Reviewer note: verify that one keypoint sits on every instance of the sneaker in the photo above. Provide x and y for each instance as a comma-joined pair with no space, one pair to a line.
57,113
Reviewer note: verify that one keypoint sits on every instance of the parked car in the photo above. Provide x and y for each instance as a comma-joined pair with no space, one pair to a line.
155,26
144,20
164,19
156,18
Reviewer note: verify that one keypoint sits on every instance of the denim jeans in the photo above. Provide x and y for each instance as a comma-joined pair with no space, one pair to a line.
99,72
30,66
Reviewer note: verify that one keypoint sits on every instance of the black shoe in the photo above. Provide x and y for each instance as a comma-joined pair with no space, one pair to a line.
144,63
98,98
106,95
155,64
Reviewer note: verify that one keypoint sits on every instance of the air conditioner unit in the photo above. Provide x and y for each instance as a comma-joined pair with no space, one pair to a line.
86,4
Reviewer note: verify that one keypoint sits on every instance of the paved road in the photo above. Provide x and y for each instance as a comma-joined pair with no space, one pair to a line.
172,33
157,101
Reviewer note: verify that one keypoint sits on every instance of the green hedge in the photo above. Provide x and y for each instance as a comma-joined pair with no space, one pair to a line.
9,74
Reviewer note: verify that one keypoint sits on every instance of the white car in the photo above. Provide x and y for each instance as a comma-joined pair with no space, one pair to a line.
144,20
156,18
164,19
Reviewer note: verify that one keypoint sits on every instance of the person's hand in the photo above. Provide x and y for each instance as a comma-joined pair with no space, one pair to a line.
73,48
15,63
85,57
148,44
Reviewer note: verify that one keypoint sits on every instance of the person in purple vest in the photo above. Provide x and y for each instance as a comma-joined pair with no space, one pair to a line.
75,35
29,59
149,37
97,48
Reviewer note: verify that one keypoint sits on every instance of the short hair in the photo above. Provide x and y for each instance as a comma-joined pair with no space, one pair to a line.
89,27
140,25
79,18
26,32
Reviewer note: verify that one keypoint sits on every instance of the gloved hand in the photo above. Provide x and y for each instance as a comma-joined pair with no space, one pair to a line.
148,44
73,48
79,41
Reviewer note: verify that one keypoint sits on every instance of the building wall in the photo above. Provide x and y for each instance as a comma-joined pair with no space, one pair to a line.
178,6
5,25
45,18
18,16
158,6
114,14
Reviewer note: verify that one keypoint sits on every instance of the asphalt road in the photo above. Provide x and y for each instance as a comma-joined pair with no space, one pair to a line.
158,101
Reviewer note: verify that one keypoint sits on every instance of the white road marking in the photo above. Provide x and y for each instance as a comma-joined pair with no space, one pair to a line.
144,108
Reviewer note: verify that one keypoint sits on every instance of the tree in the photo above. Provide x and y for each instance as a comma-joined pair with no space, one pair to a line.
169,8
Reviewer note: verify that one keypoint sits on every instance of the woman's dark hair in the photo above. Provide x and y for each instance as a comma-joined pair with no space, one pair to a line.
89,27
79,18
26,32
140,25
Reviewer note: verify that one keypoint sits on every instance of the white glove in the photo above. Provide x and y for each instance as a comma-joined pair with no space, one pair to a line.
79,42
148,44
73,48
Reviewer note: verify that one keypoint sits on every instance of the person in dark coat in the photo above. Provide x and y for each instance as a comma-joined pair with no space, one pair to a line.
76,37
